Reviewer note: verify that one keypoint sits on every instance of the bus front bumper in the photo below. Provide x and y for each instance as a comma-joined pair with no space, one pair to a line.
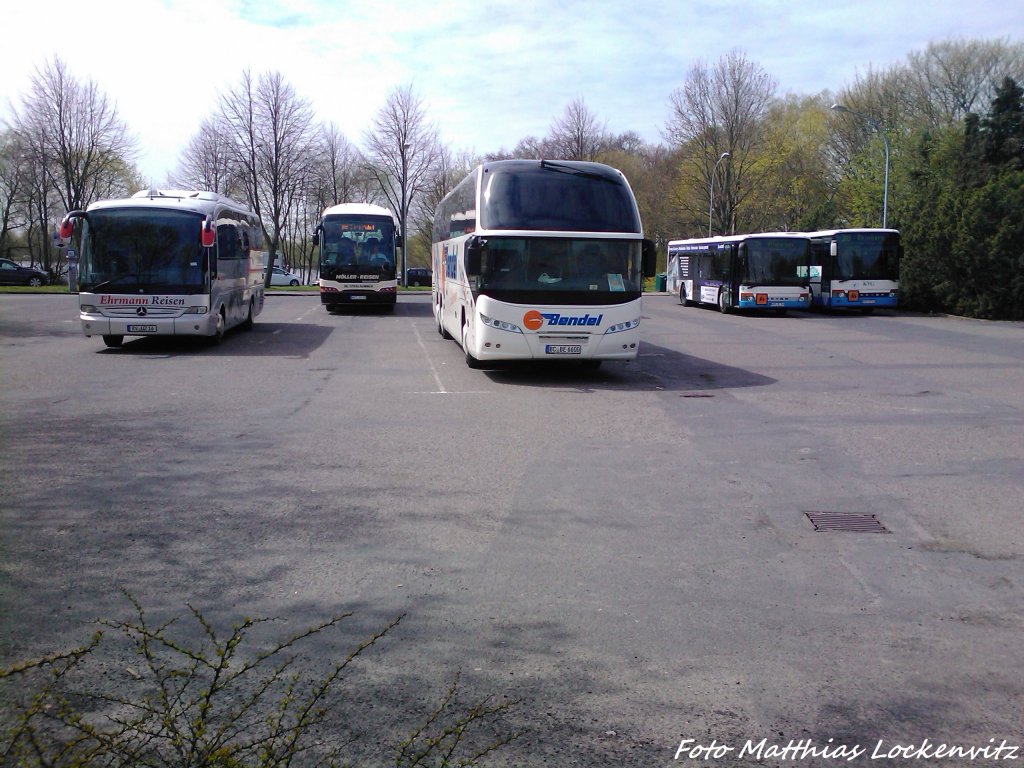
334,295
185,325
496,345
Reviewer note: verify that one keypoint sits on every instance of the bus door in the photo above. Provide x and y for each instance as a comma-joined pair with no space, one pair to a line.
819,271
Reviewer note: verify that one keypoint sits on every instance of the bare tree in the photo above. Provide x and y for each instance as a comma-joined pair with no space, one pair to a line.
949,79
74,149
74,133
721,109
13,184
577,134
207,161
402,149
271,134
341,171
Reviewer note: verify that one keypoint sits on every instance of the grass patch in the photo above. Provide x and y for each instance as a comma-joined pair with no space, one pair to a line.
53,288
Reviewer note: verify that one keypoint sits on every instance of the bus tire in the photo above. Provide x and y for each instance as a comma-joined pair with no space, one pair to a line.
471,361
114,341
723,305
218,334
248,322
440,326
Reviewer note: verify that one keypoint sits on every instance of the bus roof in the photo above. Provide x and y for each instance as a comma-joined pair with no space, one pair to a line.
725,239
580,166
198,201
357,209
858,230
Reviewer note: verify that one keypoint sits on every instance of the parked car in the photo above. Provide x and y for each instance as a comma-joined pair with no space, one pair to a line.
418,276
281,276
15,274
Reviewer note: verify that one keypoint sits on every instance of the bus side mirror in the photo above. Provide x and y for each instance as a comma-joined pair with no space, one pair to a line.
474,254
67,226
650,258
316,238
399,241
209,234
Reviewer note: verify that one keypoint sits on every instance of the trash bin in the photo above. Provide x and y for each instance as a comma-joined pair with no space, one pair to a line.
659,281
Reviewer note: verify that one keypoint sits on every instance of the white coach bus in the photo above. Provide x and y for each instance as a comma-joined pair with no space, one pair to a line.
538,259
171,263
358,255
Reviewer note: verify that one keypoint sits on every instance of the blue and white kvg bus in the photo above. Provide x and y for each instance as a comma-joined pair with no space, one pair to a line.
855,268
758,271
173,263
358,244
540,260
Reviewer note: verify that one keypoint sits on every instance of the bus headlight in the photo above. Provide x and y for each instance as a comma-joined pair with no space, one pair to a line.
88,309
195,311
626,326
501,325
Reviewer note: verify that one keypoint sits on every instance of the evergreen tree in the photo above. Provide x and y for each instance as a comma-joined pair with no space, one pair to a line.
1003,129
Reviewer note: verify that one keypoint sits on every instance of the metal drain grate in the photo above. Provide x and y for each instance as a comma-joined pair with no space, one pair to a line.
846,521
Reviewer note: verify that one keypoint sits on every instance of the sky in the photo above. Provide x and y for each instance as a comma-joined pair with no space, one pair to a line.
488,72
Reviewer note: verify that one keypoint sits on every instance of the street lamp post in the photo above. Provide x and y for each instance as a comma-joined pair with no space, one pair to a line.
711,204
405,204
878,127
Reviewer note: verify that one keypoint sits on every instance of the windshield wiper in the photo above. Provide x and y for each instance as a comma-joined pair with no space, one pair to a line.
576,171
117,279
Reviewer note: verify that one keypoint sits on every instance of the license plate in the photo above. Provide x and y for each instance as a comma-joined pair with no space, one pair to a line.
563,349
141,329
357,297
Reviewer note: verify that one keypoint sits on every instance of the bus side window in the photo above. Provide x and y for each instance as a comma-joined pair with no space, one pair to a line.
227,241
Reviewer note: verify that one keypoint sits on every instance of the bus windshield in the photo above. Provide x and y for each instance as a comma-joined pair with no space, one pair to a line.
127,250
551,270
355,241
866,255
778,261
555,197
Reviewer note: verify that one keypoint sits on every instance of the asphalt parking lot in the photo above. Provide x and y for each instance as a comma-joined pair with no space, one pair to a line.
628,552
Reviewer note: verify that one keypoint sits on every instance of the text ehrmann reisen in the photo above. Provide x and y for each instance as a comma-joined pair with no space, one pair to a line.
802,749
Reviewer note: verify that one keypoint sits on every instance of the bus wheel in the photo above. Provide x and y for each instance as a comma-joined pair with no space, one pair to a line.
723,305
471,361
440,326
247,325
218,334
113,341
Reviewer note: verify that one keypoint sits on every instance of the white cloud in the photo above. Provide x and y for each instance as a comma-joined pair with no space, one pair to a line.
490,73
